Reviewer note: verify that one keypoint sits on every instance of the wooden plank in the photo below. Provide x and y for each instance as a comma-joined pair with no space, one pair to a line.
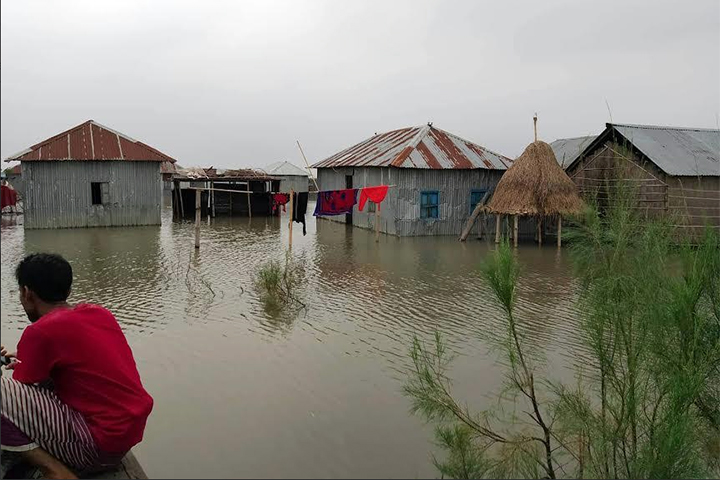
473,217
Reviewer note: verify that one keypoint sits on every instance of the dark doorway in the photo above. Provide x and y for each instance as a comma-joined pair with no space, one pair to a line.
348,184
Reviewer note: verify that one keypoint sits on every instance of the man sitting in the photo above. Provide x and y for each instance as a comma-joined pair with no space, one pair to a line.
75,400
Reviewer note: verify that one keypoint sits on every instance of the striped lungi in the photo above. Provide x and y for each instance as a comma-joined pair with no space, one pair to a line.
34,416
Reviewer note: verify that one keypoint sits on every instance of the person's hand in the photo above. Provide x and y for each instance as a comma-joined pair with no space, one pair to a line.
5,353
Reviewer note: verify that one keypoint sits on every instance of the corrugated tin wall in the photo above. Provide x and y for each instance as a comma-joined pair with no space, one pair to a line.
295,182
58,194
400,212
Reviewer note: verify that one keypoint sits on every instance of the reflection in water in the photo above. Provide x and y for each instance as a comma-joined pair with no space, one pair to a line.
243,391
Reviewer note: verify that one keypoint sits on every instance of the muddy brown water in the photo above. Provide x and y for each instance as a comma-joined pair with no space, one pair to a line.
241,391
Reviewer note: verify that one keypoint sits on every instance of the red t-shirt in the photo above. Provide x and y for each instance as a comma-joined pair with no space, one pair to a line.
85,353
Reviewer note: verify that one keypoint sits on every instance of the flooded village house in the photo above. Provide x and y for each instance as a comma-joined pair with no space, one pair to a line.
673,171
91,176
438,179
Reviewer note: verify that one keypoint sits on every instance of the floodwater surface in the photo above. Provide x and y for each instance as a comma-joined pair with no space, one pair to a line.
243,391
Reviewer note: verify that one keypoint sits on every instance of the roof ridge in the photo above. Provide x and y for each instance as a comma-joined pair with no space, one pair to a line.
664,127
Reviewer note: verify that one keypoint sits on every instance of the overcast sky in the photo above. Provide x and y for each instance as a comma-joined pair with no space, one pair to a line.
235,83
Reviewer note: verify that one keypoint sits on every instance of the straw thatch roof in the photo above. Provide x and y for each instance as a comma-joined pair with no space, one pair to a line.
535,184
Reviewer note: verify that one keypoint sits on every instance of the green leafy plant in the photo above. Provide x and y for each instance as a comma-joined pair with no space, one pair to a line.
646,405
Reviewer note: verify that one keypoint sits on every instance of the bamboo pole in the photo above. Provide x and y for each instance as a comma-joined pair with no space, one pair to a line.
212,193
249,204
182,206
498,218
292,213
209,198
515,230
559,232
377,223
308,166
197,218
539,231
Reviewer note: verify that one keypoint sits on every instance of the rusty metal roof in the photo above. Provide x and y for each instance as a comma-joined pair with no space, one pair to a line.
167,167
90,141
417,147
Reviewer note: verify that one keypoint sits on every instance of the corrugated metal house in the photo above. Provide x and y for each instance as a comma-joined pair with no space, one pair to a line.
91,176
438,178
674,171
291,176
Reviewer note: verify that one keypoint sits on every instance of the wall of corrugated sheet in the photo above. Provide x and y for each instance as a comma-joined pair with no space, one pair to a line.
58,194
295,182
400,212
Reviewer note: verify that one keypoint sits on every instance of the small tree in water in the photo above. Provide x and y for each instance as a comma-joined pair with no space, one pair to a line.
650,407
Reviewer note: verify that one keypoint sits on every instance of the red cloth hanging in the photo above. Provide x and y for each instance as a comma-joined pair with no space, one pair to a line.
375,194
280,199
9,197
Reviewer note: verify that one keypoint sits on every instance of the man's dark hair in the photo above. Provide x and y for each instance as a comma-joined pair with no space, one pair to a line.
47,274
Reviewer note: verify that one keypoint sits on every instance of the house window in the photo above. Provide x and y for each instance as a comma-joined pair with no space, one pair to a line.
476,194
99,192
430,204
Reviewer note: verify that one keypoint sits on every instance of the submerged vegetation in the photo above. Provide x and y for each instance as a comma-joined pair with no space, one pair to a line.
647,404
278,284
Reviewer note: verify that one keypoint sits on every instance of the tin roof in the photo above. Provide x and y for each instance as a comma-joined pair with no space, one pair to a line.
417,147
285,168
206,174
675,150
90,141
568,149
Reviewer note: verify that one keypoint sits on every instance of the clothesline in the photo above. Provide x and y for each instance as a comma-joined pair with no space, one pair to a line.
249,191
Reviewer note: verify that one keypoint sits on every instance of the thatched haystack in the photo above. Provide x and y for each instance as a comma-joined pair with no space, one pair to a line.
536,185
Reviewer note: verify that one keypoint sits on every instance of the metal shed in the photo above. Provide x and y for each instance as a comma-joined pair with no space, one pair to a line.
91,176
291,176
438,177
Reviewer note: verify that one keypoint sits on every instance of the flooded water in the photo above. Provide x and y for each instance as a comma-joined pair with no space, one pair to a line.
242,392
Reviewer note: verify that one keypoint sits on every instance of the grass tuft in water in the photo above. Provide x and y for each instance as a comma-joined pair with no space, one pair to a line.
279,284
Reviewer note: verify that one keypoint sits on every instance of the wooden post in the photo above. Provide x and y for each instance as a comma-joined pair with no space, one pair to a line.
249,204
498,218
212,193
292,212
176,204
515,230
535,126
559,233
377,223
539,231
197,217
182,207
